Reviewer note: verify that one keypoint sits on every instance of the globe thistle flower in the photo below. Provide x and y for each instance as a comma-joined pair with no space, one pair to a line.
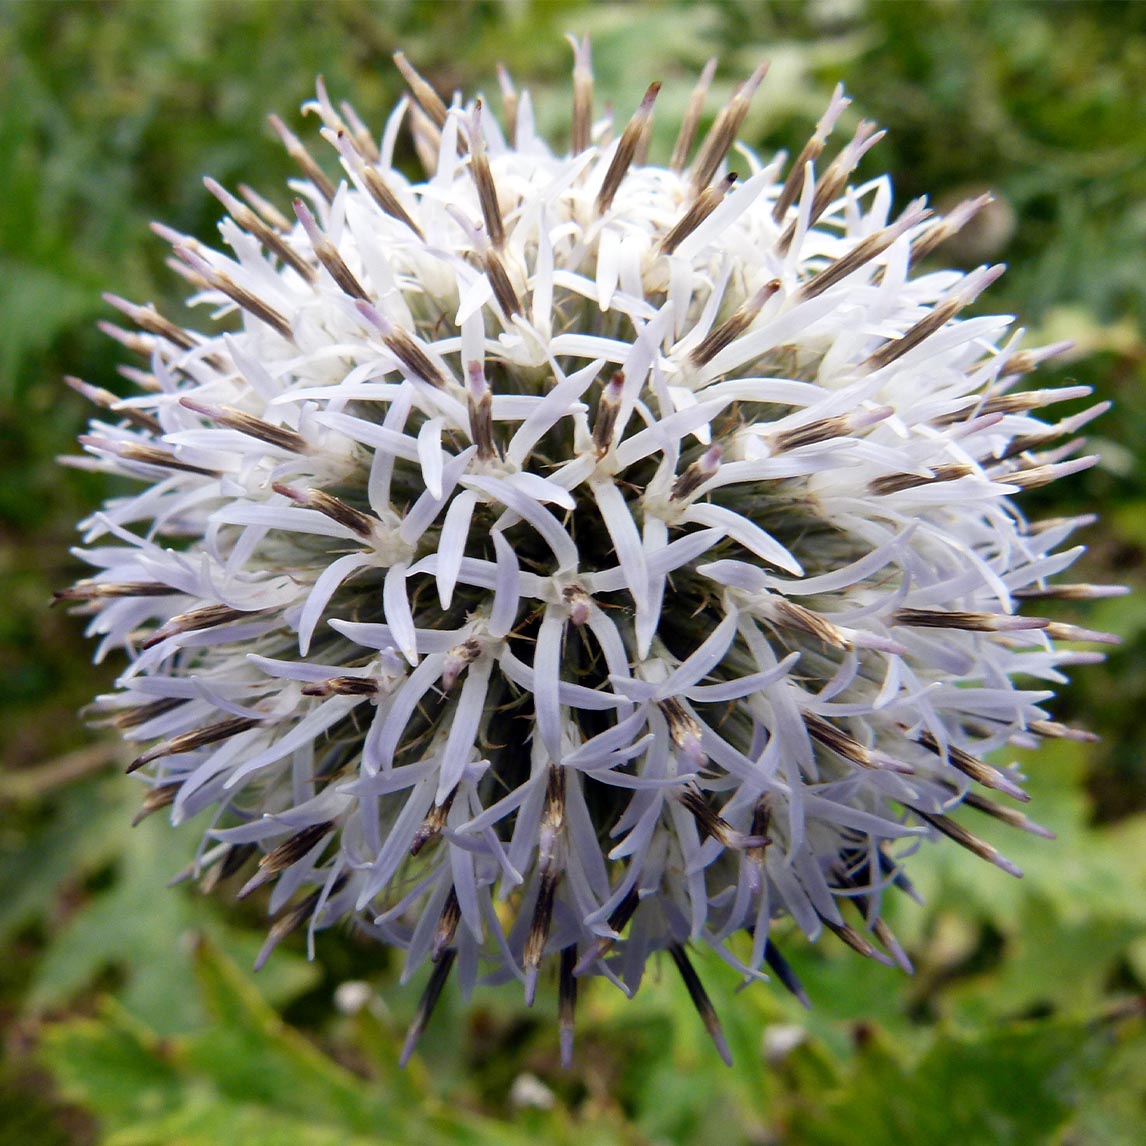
568,558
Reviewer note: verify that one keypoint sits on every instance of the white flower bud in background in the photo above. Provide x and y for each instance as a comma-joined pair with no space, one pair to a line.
567,558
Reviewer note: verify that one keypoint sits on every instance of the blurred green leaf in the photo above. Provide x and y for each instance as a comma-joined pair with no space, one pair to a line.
114,1066
1014,1085
249,1069
37,304
140,928
84,833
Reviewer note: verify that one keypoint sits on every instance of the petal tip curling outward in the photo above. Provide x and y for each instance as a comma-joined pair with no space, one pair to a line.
565,558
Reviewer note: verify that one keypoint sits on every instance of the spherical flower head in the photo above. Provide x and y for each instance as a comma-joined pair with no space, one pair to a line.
568,558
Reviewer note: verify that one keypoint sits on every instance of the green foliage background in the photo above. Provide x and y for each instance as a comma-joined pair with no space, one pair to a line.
129,1014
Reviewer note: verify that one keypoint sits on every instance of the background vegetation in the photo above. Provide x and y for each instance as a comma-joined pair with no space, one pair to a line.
129,1013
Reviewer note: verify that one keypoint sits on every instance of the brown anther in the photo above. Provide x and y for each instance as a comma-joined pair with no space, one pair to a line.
683,729
582,96
303,158
964,838
1008,816
791,615
87,590
851,937
691,118
285,855
273,216
708,821
404,347
136,343
734,326
161,796
1053,730
106,400
292,918
702,470
1031,478
427,140
863,252
268,236
608,407
479,402
229,863
811,433
140,714
539,928
431,827
896,483
1066,592
761,819
149,455
248,424
837,740
447,926
428,99
335,508
834,179
553,818
428,1002
239,295
722,135
947,226
342,686
509,103
498,277
812,151
327,253
145,380
970,622
626,150
483,180
618,921
360,133
458,659
698,210
149,319
700,1000
207,617
386,199
190,741
974,768
896,348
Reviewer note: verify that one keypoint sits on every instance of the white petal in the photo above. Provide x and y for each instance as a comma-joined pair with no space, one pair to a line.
626,541
507,590
750,535
452,543
430,455
546,680
325,588
396,607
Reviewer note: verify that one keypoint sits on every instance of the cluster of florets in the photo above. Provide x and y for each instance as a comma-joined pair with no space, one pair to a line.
567,556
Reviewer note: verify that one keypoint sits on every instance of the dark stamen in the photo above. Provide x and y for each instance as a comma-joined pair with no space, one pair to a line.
198,738
722,135
233,419
700,1001
691,119
567,1002
734,326
964,838
626,149
303,158
429,1000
